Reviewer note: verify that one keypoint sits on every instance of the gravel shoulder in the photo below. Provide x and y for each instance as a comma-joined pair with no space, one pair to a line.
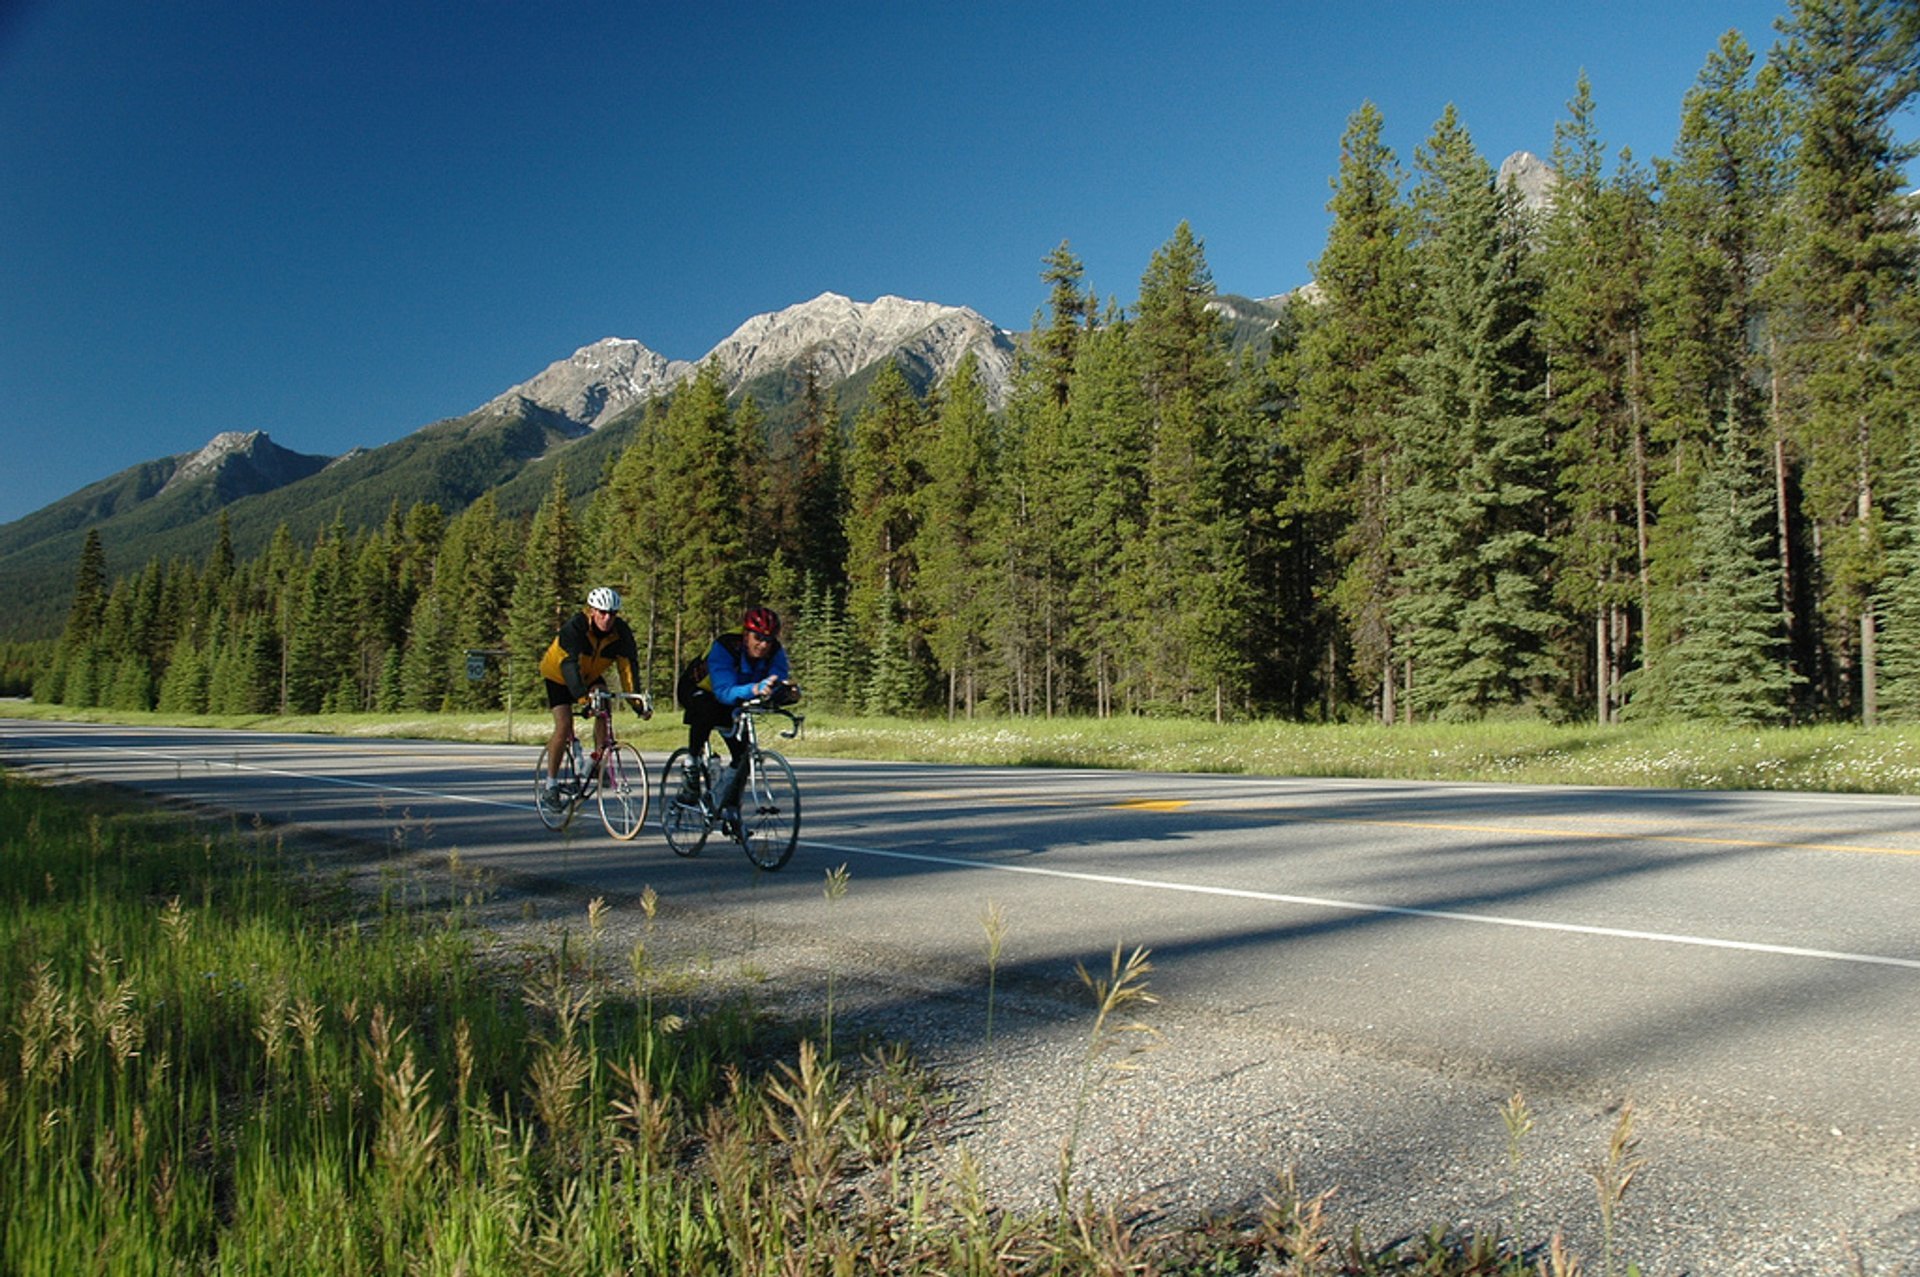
1203,1120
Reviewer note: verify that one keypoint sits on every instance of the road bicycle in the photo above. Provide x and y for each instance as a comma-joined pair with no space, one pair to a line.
760,810
614,774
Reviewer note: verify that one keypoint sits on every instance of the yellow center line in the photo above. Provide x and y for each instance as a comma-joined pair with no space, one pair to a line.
1172,805
1451,827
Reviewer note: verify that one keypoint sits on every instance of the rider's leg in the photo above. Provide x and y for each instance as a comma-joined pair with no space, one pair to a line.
557,742
600,728
560,701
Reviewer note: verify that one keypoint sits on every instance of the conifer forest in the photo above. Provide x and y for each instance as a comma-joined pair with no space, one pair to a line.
1646,448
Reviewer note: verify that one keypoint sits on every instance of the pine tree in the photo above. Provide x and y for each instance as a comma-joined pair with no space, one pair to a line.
1850,274
1595,258
635,533
959,466
549,586
699,481
71,678
184,688
1191,548
1729,663
483,560
1716,229
1900,617
1470,598
1103,489
884,493
1349,375
1070,317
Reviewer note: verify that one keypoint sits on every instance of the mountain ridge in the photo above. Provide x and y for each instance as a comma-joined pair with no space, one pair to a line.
167,508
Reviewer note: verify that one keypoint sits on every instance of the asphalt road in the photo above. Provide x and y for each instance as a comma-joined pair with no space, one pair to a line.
1351,974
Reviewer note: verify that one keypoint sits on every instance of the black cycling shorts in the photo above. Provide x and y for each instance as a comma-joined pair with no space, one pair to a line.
557,694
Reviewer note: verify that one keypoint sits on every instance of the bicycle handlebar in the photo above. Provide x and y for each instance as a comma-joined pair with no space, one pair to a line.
599,696
761,705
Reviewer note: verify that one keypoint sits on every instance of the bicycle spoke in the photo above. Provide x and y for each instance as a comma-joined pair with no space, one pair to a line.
770,811
555,808
623,791
685,824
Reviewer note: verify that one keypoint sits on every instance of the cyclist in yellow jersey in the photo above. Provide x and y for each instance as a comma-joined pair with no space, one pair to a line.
588,644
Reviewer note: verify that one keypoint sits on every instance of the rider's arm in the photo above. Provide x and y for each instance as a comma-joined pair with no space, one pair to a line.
573,641
725,674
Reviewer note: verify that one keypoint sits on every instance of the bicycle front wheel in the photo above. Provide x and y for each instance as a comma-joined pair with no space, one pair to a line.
555,806
623,791
682,817
770,811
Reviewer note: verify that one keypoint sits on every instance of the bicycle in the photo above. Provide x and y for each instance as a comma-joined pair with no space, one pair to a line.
616,775
760,811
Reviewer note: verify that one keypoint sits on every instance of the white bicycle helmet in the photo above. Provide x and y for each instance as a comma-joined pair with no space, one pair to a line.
603,598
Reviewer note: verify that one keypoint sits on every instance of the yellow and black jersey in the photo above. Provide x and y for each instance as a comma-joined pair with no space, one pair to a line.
579,658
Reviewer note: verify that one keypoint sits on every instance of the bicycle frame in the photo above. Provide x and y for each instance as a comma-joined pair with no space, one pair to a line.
616,777
760,811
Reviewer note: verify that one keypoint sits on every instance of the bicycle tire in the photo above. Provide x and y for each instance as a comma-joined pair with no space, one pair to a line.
623,791
686,827
555,815
770,811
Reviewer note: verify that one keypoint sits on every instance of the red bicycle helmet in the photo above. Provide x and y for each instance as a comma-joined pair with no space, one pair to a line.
761,620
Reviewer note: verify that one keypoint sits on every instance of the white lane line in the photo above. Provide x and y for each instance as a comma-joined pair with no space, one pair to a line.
234,764
1186,888
1354,906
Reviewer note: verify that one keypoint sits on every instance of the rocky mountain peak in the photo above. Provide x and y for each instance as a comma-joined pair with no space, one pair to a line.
599,381
1532,177
239,462
839,337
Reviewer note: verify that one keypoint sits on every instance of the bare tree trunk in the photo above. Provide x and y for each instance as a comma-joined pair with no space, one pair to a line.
1869,645
1602,665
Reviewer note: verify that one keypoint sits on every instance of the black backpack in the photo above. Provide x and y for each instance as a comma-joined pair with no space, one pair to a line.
687,686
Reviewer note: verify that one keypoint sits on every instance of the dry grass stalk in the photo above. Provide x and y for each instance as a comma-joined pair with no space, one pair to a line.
1613,1176
1293,1228
408,1138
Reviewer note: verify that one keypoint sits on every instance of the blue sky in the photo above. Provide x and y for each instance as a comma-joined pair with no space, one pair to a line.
339,221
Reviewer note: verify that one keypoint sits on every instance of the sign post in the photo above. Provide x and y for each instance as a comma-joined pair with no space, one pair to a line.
477,671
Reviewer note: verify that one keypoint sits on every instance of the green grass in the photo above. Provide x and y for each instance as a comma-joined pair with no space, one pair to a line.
1832,758
219,1058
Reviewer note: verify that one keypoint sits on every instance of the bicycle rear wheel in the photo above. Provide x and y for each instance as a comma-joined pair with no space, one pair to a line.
623,791
770,811
685,824
555,809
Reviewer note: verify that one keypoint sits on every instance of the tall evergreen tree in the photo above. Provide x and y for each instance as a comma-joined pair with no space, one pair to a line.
699,479
1071,313
1727,665
1103,486
885,479
1191,546
1716,231
1594,259
550,584
1900,615
635,533
959,466
1850,275
1349,371
72,678
1471,595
